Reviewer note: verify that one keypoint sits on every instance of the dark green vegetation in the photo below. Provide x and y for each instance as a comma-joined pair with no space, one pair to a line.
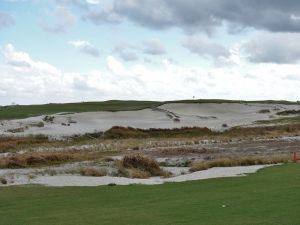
283,120
24,111
269,197
288,112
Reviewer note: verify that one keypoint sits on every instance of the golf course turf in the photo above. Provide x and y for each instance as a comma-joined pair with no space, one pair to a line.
271,196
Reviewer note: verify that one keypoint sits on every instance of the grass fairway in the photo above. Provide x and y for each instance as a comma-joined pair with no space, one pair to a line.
272,196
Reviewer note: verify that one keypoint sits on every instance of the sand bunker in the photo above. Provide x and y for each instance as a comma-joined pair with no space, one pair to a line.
73,180
76,180
213,116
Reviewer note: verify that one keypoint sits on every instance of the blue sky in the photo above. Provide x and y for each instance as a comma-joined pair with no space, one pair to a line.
87,50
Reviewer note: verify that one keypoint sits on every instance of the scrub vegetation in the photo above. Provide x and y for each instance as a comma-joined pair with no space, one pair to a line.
243,161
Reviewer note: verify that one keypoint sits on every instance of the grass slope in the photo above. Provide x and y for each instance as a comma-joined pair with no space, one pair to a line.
24,111
269,197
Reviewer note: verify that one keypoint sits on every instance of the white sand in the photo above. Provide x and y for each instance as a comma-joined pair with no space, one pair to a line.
200,115
76,180
73,180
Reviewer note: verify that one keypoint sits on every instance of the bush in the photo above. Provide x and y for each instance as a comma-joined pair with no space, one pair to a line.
142,163
3,180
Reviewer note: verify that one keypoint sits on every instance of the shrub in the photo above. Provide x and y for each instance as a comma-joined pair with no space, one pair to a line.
3,180
142,163
264,111
137,166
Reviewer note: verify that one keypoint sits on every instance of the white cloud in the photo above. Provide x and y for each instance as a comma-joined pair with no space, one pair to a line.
63,20
115,66
93,1
281,48
6,20
86,47
154,47
21,61
26,80
204,47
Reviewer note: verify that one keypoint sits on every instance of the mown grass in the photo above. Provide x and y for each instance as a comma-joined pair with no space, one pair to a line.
24,111
270,197
242,161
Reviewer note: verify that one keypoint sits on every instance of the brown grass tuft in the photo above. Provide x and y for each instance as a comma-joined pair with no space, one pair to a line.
137,166
142,163
8,143
94,172
22,161
245,161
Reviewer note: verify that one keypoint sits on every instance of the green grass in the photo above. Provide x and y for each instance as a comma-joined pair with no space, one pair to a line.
282,120
24,111
269,197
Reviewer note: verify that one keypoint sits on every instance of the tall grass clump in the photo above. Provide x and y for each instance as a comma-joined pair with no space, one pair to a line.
10,143
244,161
27,160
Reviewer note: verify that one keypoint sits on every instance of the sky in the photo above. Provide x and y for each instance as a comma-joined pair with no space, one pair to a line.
95,50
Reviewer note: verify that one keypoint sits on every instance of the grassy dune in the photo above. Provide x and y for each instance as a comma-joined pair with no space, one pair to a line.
24,111
269,197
